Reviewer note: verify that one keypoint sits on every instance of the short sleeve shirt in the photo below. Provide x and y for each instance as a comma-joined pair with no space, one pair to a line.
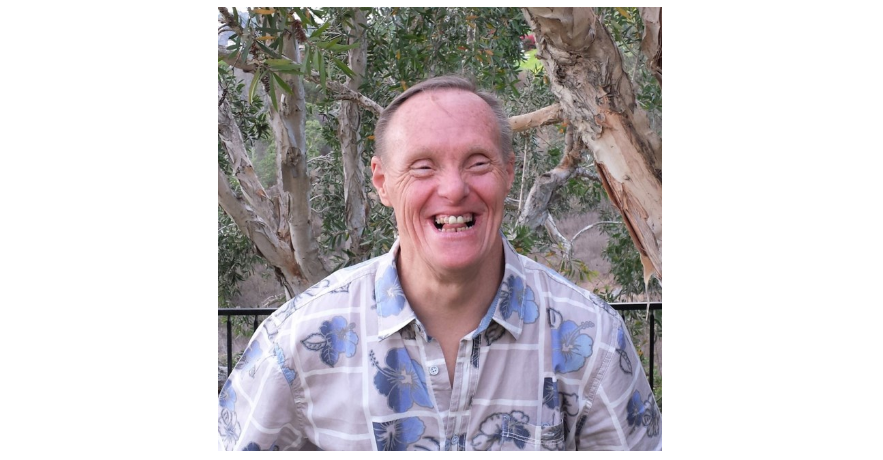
347,365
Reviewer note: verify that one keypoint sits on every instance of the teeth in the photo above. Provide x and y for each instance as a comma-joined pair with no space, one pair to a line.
441,220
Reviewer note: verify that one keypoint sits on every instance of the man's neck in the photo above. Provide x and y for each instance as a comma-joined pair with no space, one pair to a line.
451,301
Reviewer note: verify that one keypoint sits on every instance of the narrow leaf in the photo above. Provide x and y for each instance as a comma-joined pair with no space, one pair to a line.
326,45
299,12
321,29
343,67
321,63
282,83
254,85
308,64
623,12
264,10
273,94
343,47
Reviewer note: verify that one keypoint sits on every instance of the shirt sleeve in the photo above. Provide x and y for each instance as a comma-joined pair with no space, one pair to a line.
620,411
256,406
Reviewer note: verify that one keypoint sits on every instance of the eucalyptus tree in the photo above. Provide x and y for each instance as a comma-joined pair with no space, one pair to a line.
351,62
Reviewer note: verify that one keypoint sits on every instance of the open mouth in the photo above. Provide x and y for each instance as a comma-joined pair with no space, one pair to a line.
460,223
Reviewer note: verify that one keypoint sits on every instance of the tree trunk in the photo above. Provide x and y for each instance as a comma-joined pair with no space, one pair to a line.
254,212
585,72
355,202
651,43
289,127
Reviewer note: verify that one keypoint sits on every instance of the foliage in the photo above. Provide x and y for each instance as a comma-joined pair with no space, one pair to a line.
236,258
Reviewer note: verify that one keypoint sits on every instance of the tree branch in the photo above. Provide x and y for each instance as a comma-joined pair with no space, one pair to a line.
534,211
545,116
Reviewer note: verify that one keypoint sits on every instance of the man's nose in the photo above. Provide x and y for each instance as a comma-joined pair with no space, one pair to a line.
453,187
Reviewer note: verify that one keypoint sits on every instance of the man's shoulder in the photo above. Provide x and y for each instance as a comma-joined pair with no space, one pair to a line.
346,287
563,293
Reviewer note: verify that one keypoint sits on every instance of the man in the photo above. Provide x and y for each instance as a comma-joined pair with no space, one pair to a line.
451,341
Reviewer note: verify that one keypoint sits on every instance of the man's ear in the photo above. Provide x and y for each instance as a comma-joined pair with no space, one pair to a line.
378,178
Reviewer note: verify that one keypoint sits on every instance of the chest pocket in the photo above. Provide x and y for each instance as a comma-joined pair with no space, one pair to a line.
517,435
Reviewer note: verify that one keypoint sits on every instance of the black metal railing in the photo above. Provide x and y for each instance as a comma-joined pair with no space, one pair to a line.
257,312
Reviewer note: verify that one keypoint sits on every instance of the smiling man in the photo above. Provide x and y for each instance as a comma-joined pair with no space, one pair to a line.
451,341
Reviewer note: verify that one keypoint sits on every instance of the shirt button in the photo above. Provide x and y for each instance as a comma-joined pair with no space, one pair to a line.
433,370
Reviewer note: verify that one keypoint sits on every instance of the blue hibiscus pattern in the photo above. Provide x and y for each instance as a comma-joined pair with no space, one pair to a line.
397,435
490,433
550,393
390,297
334,337
250,358
518,298
289,373
402,381
643,413
570,349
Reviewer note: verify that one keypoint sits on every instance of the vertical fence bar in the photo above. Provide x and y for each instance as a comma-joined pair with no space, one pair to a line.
229,345
652,345
255,324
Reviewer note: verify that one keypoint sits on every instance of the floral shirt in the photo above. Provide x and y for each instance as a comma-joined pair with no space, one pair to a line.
346,365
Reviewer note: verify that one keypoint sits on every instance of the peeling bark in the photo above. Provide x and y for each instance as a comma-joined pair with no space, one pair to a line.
586,74
542,117
355,202
651,43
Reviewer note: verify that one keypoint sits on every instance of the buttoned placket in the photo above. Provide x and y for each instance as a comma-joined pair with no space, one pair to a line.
452,400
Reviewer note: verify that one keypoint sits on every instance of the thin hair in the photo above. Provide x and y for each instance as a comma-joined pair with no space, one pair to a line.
438,84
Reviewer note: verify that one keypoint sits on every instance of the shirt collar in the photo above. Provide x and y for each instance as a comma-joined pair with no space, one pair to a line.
394,312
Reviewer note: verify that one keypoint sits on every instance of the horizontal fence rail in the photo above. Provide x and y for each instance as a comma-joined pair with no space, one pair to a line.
258,312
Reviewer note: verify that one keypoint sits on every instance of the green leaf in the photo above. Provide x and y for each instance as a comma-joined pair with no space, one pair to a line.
326,45
254,85
284,65
273,94
343,47
343,67
321,64
300,13
281,82
308,65
321,29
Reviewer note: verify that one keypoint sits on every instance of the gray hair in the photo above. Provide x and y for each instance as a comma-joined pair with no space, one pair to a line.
443,83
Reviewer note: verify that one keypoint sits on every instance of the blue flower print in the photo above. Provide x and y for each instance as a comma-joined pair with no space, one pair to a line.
227,397
490,432
518,298
252,446
625,363
643,413
398,434
570,349
286,371
635,410
334,337
249,358
550,393
390,297
402,381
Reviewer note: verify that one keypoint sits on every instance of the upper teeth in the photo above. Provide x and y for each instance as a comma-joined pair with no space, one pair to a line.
453,219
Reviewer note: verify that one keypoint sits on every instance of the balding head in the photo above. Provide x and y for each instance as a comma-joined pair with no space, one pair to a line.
448,82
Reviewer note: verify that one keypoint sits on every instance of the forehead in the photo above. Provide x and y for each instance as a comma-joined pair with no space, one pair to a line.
445,116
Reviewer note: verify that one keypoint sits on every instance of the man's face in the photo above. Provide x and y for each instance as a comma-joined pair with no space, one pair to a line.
444,175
